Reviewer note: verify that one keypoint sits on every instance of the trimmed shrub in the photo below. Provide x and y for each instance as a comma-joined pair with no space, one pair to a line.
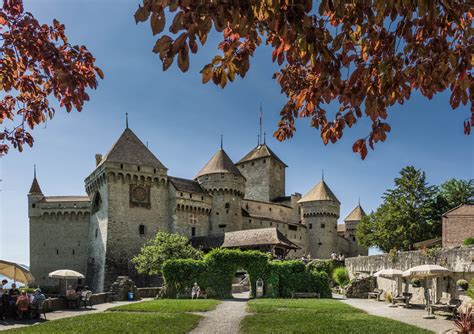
326,266
463,284
216,271
468,241
341,276
470,290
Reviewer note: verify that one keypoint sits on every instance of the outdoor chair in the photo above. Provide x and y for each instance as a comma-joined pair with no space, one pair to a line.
40,308
404,298
22,309
86,299
450,307
74,301
375,294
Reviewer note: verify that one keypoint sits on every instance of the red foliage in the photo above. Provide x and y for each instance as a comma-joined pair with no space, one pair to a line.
36,62
364,55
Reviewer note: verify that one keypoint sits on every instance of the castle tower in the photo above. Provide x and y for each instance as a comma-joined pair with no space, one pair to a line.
35,195
351,221
264,172
129,205
320,210
224,182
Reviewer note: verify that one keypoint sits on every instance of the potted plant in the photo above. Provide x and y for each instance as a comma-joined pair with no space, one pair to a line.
416,283
462,284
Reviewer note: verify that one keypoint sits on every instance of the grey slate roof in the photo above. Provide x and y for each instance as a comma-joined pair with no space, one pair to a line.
219,163
319,192
35,187
260,151
246,238
130,150
190,186
356,215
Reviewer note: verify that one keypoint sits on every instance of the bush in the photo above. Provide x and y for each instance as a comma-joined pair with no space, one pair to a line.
326,266
341,276
470,290
463,284
468,241
216,271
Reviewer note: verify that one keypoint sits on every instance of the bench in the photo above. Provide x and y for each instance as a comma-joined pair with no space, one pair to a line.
305,295
404,298
450,307
376,294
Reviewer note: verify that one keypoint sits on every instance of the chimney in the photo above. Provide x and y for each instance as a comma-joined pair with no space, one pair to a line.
98,159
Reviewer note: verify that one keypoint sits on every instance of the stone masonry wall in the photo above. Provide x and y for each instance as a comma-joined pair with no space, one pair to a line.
458,260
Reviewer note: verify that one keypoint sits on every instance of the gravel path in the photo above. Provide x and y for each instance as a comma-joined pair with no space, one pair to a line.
225,318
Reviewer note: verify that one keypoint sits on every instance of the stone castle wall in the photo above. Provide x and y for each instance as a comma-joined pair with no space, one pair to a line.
458,260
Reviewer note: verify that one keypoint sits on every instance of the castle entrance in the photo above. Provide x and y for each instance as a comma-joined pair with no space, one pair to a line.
241,285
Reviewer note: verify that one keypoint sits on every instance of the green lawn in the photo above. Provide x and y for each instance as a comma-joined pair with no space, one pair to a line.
316,316
154,316
118,323
169,306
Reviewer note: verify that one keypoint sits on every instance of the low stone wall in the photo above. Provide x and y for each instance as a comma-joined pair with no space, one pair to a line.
150,292
459,260
56,304
360,287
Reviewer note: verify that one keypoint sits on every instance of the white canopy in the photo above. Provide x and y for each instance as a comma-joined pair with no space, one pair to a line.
65,274
389,273
16,272
427,271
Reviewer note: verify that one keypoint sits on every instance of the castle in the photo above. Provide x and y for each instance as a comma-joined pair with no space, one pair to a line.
130,197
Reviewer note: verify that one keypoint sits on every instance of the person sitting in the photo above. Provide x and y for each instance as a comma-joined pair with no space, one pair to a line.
3,303
195,291
38,297
72,297
14,292
22,304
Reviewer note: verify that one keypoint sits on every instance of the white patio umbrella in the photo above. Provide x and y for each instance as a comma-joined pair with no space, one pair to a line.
391,274
16,272
65,274
427,271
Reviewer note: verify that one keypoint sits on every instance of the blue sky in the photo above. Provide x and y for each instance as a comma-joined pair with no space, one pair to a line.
182,120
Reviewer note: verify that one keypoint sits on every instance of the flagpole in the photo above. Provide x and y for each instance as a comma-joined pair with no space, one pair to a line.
261,115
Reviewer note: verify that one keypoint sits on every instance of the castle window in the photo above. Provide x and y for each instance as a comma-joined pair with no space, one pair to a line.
138,168
269,209
121,166
227,205
320,243
300,237
57,251
250,220
222,225
227,212
292,227
222,175
264,161
271,224
353,238
253,163
323,225
190,195
33,206
310,226
193,231
154,170
202,198
141,229
96,232
243,165
217,213
73,252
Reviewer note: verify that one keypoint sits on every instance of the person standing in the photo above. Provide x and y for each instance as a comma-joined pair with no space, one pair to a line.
195,291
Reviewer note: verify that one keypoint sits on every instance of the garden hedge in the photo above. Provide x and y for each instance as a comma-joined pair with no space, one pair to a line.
216,271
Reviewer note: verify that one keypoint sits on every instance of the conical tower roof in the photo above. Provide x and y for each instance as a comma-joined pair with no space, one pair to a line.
260,151
35,187
356,215
219,163
319,192
130,150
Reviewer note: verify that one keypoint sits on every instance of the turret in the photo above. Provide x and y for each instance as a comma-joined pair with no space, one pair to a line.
351,221
224,182
35,195
320,210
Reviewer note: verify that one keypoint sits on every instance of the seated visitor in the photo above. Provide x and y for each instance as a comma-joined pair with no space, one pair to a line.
13,293
71,293
37,298
195,291
4,283
22,303
3,303
333,256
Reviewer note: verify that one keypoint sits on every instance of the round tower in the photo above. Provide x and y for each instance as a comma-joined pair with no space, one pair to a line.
224,182
320,210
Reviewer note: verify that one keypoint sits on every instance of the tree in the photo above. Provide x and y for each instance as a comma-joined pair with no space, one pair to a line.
455,192
407,214
164,247
36,62
364,55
